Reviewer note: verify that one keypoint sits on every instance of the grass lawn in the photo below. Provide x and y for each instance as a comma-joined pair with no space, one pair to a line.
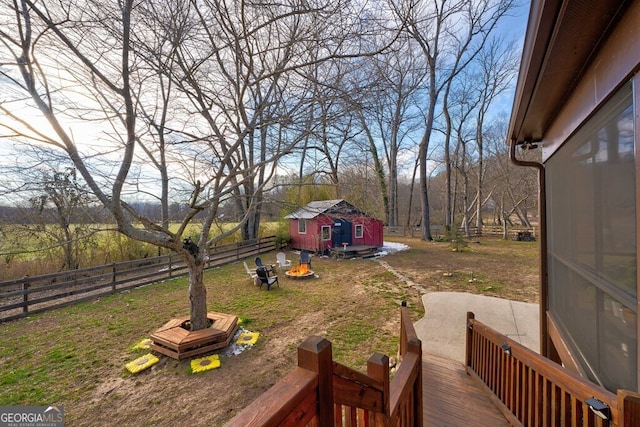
76,356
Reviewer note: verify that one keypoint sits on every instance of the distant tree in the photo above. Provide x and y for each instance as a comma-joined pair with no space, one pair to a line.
466,101
514,189
61,200
389,112
54,216
450,35
498,65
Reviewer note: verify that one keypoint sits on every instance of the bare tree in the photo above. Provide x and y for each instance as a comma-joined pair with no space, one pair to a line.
335,128
465,100
203,94
514,189
390,113
54,209
498,64
450,35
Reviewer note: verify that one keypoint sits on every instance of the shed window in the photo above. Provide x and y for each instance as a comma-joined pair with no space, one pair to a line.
302,226
359,231
326,232
591,199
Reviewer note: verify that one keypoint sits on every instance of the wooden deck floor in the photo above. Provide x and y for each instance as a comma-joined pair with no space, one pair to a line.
452,398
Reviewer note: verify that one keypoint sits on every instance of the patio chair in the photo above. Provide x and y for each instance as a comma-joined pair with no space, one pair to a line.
263,275
282,260
261,265
305,258
250,271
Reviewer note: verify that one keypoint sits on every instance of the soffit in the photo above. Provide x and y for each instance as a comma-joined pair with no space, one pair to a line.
561,40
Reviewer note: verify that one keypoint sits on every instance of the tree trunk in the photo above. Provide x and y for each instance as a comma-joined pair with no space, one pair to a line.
380,176
392,217
70,261
479,185
408,223
505,231
426,218
197,295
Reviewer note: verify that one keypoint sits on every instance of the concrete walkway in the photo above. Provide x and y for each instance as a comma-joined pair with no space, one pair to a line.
442,329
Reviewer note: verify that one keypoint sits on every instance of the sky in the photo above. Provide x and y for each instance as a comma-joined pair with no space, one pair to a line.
513,28
510,28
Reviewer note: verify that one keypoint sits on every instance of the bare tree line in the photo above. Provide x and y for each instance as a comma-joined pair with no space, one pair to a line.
208,103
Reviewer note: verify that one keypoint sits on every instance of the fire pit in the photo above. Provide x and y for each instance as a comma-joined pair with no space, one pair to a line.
302,271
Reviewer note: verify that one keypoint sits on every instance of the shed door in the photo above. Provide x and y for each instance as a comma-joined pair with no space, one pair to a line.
342,232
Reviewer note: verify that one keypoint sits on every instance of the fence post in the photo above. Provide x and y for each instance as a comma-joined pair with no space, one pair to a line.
25,296
113,277
469,340
378,369
170,267
315,355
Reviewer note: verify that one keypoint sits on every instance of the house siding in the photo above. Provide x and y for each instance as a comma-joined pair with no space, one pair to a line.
373,234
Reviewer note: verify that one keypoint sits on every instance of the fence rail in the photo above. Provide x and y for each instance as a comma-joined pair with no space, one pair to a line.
438,231
29,295
534,391
321,392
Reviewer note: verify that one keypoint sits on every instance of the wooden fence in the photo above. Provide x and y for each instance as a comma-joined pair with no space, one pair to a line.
28,295
437,231
531,390
321,392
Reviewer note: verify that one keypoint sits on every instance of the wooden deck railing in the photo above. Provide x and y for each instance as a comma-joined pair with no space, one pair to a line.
322,392
531,390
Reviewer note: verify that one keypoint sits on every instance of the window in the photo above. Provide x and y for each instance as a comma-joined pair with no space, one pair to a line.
302,226
326,232
592,243
359,231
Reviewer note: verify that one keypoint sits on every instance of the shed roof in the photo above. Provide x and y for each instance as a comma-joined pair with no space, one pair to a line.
329,207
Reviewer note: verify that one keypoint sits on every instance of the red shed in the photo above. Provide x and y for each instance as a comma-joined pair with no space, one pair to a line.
334,225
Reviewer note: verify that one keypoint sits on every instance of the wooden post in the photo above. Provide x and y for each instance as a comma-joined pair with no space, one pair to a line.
469,341
315,355
629,409
378,369
415,346
403,331
170,266
25,297
410,343
113,278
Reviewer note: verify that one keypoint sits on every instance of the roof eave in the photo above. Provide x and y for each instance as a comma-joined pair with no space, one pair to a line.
561,40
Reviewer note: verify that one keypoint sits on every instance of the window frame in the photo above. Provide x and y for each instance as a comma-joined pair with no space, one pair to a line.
357,235
322,230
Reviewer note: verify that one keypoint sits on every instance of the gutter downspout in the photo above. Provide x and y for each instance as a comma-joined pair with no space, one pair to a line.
545,341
